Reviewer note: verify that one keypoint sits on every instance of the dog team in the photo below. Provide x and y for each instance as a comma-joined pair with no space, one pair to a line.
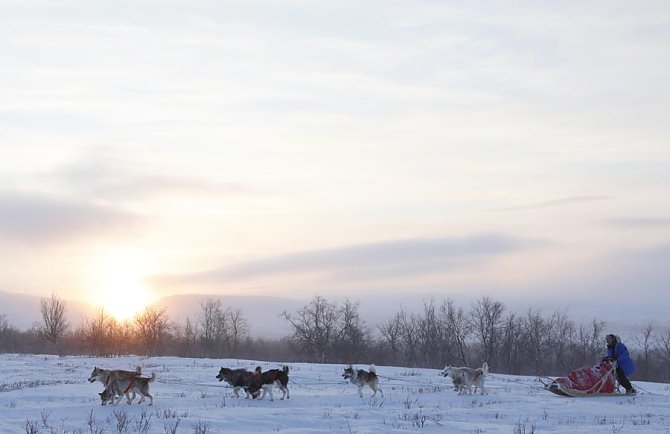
256,384
252,382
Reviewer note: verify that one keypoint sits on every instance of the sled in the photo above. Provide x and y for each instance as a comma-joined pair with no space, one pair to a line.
589,381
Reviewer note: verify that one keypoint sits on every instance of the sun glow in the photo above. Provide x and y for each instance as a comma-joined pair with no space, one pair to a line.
120,290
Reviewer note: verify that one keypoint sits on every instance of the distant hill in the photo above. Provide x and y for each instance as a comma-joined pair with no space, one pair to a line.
22,311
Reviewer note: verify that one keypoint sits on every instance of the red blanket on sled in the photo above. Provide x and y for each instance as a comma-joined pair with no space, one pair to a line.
591,379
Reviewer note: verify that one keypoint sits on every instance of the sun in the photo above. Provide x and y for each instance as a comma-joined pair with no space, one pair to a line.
120,289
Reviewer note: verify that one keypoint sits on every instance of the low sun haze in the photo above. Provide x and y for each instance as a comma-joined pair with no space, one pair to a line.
372,150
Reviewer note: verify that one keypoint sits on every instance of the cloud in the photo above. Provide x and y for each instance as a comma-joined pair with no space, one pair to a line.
551,203
111,177
399,258
658,253
629,277
140,187
639,222
36,218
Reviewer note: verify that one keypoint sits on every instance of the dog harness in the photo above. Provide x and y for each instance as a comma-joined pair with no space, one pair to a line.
130,386
132,383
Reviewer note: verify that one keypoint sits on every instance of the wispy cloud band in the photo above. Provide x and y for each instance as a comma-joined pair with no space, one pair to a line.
551,203
408,257
34,218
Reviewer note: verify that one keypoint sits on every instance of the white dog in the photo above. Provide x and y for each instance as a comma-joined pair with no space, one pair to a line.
464,377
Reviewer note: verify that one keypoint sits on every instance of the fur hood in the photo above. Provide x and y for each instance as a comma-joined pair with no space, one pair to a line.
617,339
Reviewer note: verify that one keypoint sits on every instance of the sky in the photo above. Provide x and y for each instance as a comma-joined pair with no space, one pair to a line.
372,149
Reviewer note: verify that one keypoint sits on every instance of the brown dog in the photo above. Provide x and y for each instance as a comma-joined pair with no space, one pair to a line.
123,386
267,379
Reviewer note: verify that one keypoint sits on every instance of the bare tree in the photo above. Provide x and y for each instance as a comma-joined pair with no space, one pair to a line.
391,332
512,343
645,341
96,331
400,334
410,341
590,341
5,333
121,336
239,328
152,325
54,325
536,332
351,338
4,325
458,327
430,333
314,327
561,336
663,346
189,339
486,318
214,326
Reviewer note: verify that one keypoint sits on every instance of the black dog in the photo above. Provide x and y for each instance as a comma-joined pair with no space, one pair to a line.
240,379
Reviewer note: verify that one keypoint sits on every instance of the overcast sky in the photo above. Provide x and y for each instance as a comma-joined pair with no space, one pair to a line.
367,148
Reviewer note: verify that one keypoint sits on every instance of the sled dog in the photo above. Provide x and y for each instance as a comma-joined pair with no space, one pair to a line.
105,376
123,386
106,396
266,379
361,378
465,378
457,380
459,384
239,379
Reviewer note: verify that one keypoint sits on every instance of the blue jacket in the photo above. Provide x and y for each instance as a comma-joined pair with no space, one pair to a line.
620,354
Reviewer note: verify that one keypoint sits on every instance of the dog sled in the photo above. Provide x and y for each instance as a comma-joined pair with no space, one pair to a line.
589,381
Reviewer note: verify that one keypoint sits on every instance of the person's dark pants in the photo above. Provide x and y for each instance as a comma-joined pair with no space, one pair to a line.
622,379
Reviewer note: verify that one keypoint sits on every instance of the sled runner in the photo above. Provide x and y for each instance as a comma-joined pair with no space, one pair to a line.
589,381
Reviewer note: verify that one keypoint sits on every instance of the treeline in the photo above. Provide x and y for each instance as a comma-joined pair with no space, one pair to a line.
325,331
215,332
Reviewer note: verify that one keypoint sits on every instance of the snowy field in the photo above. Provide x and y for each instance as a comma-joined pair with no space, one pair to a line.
47,394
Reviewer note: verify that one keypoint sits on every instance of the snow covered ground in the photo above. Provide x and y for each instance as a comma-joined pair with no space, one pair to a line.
48,394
